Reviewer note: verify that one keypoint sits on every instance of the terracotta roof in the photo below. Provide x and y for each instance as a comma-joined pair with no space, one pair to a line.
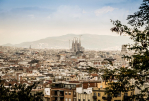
72,76
74,82
94,74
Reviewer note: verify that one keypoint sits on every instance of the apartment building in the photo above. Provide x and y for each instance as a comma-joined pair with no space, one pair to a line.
99,93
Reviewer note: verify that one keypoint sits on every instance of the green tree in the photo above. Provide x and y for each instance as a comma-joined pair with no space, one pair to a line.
92,70
134,77
19,93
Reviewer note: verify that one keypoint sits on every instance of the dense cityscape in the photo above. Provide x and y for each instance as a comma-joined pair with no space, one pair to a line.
63,75
65,50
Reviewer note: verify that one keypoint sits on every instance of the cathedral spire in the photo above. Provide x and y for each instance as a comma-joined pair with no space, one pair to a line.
75,40
76,45
30,47
80,40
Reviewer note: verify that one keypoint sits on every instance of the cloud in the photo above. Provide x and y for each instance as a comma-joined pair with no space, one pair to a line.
31,16
49,17
65,12
26,13
103,10
84,12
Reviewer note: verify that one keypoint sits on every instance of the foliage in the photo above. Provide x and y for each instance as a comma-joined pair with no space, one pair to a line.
140,18
19,93
33,61
134,77
92,70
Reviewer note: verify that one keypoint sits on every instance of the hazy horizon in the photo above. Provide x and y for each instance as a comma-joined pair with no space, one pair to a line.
31,20
64,35
88,41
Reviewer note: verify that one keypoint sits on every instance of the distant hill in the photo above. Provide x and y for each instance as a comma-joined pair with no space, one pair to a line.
8,44
89,41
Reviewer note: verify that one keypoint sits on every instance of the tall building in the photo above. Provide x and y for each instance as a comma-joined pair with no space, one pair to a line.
124,49
76,45
30,47
124,52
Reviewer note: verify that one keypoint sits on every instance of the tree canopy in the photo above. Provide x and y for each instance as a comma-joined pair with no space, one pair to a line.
128,79
19,92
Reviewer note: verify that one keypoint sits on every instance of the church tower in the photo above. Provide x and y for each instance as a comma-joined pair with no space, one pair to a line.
76,45
72,45
30,47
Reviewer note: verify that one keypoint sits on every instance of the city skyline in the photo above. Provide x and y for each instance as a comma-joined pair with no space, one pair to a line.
26,20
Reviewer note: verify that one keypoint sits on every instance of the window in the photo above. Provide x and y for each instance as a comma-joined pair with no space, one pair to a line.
125,94
88,100
98,94
69,99
109,96
98,100
94,94
79,100
69,93
65,93
66,86
74,93
100,86
73,86
74,99
65,99
119,95
131,93
83,99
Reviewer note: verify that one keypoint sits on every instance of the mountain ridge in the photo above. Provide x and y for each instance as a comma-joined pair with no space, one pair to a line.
88,41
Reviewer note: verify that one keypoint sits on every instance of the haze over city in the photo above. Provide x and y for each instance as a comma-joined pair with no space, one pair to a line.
31,20
74,50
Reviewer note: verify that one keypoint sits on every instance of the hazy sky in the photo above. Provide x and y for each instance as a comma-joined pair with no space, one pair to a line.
30,20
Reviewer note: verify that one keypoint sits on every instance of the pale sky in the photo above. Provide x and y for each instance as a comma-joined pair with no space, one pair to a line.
30,20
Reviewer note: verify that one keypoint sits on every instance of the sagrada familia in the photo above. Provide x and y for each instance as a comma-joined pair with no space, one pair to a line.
76,45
